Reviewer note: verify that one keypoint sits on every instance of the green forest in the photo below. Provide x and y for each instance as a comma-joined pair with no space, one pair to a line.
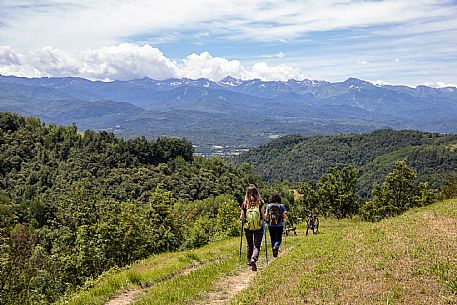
297,158
76,204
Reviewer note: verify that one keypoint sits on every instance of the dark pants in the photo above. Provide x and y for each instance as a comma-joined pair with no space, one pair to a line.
254,241
276,236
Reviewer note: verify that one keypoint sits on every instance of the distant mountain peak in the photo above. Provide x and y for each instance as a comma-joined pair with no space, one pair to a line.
353,82
230,81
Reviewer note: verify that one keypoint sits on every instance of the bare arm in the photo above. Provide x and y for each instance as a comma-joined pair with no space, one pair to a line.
242,215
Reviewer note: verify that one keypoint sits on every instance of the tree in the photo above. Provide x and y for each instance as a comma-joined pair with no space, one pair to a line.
450,189
398,192
337,192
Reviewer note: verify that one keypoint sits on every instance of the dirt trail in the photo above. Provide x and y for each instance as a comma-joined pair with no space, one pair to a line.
128,296
229,286
224,291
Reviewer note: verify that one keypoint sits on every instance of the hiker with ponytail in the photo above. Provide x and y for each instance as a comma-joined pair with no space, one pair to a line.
252,214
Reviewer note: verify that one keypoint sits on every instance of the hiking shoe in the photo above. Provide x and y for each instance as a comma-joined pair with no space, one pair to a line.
253,266
275,252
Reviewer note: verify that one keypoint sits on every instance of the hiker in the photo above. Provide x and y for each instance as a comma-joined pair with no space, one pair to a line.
276,215
253,215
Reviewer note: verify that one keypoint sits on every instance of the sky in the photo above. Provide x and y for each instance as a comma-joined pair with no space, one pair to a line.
385,42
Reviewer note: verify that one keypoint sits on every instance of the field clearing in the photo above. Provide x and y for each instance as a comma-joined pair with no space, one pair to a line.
410,259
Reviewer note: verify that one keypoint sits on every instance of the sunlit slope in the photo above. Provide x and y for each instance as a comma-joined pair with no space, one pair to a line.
410,259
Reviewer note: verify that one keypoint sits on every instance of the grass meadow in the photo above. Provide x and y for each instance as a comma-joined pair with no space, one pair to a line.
409,259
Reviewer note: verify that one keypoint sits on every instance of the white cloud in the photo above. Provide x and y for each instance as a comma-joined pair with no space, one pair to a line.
380,82
215,68
440,85
52,61
127,61
8,56
280,72
325,38
86,24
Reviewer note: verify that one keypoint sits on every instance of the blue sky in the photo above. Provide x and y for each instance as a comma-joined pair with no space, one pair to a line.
397,42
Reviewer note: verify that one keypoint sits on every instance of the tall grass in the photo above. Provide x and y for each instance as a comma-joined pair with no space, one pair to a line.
409,259
149,272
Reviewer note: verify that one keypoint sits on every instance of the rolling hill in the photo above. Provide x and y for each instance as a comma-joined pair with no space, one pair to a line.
297,158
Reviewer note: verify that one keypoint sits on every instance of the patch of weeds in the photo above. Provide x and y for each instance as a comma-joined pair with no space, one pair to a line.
305,283
441,270
114,283
417,271
388,275
418,251
134,277
322,268
394,294
379,266
453,285
189,257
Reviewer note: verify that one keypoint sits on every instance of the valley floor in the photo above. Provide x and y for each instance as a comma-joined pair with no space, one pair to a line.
410,259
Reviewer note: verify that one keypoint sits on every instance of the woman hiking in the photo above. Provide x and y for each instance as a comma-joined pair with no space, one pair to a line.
276,214
252,214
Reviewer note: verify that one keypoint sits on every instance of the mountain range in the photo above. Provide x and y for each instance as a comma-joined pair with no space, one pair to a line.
230,113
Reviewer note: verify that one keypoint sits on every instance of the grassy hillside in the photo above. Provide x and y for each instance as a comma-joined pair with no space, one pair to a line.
297,158
409,259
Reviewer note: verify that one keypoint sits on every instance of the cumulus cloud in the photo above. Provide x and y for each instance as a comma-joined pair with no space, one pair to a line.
8,56
215,68
127,61
280,72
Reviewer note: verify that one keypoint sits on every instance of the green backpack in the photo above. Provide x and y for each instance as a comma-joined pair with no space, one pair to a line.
253,219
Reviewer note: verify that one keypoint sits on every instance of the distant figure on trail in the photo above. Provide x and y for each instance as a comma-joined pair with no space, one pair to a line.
276,215
253,215
312,223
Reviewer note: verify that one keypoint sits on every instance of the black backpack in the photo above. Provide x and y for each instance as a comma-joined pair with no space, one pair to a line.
274,214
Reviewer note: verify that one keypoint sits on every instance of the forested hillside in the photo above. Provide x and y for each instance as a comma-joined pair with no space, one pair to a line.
74,204
297,158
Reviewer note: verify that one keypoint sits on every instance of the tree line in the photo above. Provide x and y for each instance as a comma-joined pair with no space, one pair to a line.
297,158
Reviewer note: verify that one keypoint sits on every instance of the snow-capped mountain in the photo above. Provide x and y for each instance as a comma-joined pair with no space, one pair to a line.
230,107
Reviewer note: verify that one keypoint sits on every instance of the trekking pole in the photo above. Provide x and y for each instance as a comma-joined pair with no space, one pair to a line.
285,236
266,245
241,239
